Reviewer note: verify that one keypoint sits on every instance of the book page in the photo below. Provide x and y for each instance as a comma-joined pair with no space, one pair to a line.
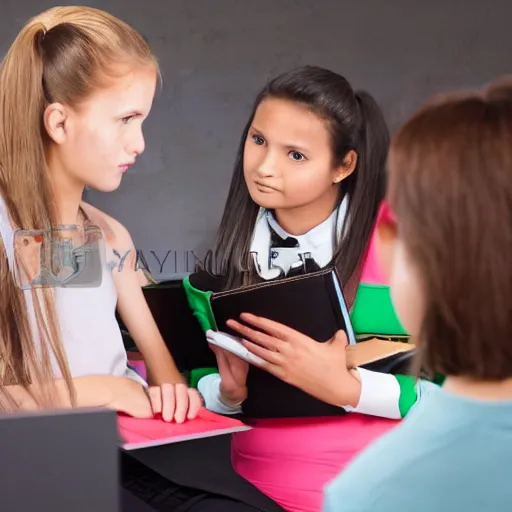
373,350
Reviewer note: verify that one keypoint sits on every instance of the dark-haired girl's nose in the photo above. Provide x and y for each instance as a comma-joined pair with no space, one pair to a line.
267,167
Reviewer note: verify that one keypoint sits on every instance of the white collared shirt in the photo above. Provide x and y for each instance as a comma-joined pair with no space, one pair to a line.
318,243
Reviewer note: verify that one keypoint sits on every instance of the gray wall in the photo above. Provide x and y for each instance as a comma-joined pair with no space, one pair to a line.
216,54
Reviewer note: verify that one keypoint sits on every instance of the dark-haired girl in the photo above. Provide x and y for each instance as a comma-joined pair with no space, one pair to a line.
306,191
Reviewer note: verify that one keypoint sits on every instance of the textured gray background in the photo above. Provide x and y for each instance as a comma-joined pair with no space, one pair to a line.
215,56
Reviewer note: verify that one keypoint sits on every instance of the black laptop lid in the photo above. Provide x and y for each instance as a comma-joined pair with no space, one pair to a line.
59,461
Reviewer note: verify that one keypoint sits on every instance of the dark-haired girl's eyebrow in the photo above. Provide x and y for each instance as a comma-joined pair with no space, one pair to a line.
287,146
295,147
254,129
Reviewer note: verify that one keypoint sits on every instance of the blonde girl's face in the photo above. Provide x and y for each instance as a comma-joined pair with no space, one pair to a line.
96,142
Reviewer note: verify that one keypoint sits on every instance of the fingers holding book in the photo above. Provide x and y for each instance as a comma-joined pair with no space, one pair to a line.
319,369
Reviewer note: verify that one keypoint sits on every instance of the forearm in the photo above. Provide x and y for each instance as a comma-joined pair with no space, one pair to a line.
138,320
160,365
161,368
91,391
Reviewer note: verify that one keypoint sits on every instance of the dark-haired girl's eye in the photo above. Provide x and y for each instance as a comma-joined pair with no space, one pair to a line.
295,155
258,139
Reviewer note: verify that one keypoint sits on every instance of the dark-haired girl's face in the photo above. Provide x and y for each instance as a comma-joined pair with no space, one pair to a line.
288,164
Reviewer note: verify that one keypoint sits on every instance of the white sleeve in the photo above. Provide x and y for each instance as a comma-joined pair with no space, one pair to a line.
209,387
380,395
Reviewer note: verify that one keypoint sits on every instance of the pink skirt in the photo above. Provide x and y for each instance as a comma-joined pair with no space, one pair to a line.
292,460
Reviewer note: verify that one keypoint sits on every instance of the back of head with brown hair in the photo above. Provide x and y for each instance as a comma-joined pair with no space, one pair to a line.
61,55
450,185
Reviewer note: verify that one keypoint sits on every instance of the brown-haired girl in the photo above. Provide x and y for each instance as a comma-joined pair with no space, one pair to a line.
450,187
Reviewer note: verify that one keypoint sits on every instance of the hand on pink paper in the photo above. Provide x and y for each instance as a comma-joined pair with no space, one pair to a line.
175,402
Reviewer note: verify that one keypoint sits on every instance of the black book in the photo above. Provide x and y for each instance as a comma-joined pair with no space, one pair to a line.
181,332
312,304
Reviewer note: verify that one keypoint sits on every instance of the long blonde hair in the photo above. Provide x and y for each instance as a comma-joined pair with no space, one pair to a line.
61,55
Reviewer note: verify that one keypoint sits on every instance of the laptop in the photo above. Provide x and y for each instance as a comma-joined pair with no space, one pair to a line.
59,461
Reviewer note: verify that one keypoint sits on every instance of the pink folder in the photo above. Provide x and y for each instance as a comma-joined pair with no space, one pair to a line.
143,433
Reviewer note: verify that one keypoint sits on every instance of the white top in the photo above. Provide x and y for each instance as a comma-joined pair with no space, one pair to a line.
90,333
317,242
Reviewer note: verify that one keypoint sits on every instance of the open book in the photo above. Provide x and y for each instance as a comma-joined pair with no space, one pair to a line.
143,433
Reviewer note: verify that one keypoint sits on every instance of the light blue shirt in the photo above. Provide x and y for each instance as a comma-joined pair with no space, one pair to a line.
450,454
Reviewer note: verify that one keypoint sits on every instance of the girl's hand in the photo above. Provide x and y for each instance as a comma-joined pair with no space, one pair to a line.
233,374
319,369
173,401
128,396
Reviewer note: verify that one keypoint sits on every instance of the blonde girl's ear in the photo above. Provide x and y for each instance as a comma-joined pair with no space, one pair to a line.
55,118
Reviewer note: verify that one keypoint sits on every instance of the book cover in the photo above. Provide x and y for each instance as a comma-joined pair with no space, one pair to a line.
313,304
139,433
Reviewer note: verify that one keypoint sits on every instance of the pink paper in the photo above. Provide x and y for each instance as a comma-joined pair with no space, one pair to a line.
142,433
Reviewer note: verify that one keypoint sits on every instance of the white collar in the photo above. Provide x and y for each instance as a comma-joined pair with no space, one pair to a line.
318,242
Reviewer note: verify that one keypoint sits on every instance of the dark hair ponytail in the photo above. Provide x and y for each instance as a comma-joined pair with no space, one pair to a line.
355,122
366,188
